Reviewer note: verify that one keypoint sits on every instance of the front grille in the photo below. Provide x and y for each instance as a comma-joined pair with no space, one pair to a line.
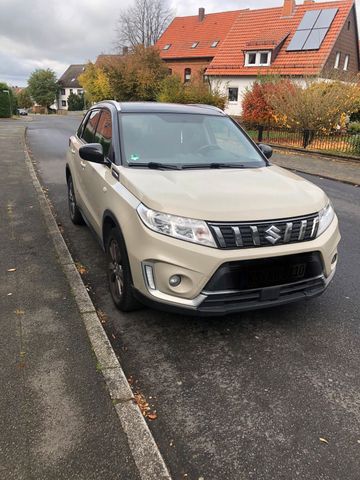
264,234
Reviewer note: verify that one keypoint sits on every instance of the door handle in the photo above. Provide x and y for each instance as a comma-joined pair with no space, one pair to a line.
83,164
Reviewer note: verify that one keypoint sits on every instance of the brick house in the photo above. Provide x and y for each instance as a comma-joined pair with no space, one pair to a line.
234,48
69,83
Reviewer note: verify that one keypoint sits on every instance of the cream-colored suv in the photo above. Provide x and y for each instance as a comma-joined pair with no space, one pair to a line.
191,214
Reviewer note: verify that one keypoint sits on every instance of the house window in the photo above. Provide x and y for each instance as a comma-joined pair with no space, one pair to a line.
62,91
187,75
63,103
233,94
195,44
169,71
337,60
215,43
349,25
346,62
167,46
71,91
257,59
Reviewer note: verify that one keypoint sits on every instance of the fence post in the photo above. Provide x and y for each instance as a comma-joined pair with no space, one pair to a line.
306,138
260,133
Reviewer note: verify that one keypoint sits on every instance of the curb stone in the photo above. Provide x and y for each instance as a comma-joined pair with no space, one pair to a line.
145,452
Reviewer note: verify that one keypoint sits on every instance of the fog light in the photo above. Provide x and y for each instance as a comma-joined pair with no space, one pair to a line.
175,280
150,277
334,259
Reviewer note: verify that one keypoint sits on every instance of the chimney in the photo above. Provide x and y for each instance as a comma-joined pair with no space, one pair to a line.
125,50
201,14
288,8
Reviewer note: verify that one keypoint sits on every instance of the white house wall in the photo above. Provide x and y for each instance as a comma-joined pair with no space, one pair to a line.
224,83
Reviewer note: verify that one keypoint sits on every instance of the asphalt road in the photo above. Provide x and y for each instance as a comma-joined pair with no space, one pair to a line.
249,396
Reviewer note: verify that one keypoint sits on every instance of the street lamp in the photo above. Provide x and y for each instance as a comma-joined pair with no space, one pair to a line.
7,91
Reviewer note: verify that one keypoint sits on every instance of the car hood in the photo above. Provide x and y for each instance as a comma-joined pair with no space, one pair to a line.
225,194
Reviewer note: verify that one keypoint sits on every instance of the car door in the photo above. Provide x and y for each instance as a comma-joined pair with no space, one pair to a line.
85,135
97,176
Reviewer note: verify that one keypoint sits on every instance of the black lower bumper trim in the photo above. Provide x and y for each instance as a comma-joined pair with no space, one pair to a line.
228,303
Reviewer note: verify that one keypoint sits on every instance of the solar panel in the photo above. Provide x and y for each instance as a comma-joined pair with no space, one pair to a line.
326,18
312,30
309,19
298,40
315,39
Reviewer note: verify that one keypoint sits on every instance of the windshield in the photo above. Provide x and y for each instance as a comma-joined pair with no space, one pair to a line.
185,141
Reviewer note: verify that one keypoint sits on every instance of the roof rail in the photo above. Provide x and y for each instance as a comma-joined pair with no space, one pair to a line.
112,102
203,105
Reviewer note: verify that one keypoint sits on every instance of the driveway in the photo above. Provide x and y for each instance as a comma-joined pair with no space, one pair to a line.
265,395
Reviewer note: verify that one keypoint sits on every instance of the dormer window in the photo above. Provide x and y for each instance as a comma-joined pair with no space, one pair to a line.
215,43
195,44
167,46
257,59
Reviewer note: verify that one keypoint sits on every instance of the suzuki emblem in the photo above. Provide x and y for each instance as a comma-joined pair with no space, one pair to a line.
273,234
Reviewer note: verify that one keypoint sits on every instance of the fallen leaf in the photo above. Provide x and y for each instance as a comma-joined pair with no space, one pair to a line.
9,294
152,416
18,311
102,315
80,268
12,270
323,440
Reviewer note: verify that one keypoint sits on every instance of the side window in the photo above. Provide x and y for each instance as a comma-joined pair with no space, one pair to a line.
90,127
104,131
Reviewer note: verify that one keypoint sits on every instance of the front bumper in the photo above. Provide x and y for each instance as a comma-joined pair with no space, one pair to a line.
197,265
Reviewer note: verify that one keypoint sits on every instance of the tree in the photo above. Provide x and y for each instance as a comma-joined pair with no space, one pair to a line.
24,99
316,104
43,87
75,102
96,84
7,101
138,75
143,23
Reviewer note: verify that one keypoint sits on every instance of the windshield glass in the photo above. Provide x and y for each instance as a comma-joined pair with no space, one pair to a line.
186,140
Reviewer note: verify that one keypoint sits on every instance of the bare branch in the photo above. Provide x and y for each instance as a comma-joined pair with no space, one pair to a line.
143,23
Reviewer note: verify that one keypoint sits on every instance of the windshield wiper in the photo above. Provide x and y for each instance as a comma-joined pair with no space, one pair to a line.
214,165
155,165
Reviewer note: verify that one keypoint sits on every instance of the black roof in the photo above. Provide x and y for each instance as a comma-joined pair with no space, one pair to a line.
158,107
70,77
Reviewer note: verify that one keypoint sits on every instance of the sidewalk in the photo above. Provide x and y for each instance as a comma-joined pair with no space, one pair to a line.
57,420
347,171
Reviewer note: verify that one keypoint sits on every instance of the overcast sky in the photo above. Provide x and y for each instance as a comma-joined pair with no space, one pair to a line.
54,34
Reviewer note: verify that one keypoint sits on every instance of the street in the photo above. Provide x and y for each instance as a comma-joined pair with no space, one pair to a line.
266,395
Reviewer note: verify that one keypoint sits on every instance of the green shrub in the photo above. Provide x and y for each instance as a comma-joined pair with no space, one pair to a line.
354,127
75,102
5,101
173,90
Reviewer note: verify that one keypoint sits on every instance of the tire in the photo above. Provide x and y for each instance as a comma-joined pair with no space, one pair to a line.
119,273
75,214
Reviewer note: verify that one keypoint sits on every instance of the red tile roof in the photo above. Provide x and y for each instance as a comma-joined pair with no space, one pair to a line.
184,31
250,30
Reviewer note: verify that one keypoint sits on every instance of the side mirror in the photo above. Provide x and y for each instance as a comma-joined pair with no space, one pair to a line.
92,152
266,150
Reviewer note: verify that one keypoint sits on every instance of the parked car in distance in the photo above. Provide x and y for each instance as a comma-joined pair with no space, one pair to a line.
22,111
192,215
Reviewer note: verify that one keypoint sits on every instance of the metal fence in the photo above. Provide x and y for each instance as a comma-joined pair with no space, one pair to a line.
338,142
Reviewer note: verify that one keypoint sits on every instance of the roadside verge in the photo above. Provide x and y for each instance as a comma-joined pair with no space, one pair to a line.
144,450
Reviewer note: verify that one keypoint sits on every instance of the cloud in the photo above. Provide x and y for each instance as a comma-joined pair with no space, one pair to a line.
53,34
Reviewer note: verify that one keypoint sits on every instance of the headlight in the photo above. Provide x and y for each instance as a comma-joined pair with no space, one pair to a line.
326,216
187,229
